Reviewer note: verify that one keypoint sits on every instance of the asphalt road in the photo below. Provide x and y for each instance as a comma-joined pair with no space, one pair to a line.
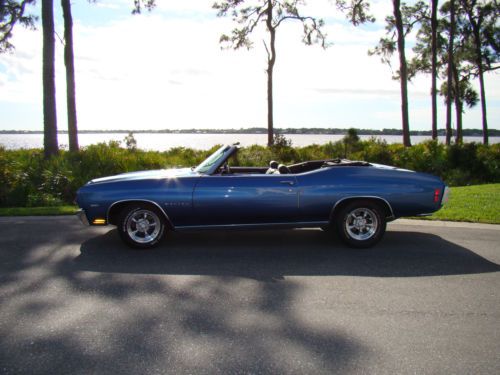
74,300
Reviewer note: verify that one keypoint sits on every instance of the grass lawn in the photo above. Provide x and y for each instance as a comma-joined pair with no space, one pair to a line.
37,211
476,204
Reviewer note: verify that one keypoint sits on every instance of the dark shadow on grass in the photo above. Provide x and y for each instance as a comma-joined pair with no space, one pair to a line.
273,255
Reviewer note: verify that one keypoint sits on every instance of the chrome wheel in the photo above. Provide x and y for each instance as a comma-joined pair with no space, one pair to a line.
361,224
143,226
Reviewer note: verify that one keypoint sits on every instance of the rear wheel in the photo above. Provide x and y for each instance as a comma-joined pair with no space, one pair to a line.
141,226
361,224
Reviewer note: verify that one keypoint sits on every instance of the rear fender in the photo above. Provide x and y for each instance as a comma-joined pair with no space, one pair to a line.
383,202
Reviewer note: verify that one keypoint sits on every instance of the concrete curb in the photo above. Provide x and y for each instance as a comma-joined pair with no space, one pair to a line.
447,224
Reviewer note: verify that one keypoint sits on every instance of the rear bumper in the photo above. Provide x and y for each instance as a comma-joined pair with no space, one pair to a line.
446,195
83,217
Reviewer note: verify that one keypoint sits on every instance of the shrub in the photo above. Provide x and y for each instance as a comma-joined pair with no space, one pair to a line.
255,156
282,149
351,142
27,179
375,151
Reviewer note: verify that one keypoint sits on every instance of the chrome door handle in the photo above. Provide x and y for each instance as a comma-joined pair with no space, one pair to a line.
287,182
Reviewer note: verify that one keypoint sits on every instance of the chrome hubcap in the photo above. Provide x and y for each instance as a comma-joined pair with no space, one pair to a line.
361,224
143,226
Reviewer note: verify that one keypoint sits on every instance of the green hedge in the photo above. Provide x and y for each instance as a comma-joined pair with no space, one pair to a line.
29,180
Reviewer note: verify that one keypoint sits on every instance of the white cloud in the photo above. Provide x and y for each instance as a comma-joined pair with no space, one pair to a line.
165,69
108,4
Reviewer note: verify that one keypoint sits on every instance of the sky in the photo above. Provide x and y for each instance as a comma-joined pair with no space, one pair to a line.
166,69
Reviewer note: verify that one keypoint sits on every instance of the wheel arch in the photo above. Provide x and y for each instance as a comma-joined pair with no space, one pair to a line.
389,213
116,207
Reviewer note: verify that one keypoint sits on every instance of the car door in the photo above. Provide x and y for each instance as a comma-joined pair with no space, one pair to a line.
245,199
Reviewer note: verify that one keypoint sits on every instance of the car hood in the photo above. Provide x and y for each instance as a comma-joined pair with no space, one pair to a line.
146,175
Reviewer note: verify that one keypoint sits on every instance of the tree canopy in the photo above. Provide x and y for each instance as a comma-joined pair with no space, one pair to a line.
11,13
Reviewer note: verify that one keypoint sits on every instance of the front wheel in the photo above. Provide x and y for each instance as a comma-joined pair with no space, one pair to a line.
361,224
141,226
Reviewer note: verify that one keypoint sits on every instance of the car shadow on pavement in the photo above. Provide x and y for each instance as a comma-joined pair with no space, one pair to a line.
273,255
99,307
126,317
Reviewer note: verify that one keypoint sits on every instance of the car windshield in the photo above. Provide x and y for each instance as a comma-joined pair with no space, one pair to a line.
213,159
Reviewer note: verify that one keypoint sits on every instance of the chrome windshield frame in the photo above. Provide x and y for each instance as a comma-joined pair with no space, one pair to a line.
220,156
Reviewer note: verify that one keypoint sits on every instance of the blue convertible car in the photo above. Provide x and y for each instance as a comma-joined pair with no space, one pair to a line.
355,198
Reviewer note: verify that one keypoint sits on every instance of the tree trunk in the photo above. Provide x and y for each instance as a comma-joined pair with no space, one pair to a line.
450,72
476,30
483,104
458,106
403,72
49,86
70,75
479,62
271,59
434,67
270,118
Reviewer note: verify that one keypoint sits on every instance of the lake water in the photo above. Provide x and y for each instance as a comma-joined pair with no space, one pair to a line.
164,141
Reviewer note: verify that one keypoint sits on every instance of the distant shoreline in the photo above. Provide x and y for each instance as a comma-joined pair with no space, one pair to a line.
285,131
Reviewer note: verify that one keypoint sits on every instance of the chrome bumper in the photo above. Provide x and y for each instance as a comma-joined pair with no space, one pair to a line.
446,195
83,217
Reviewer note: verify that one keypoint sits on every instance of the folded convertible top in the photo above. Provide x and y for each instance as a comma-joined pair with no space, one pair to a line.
344,163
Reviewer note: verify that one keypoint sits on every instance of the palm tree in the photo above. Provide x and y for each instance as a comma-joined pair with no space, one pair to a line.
70,75
49,87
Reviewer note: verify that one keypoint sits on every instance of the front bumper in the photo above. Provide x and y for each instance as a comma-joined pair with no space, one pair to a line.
83,217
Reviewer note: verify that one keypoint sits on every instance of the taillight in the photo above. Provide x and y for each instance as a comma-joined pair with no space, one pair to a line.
437,194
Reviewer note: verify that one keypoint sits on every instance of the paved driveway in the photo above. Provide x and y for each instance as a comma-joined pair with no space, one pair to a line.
75,300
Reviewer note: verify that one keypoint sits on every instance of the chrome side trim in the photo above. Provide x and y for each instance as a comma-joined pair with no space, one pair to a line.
362,197
140,200
306,224
82,216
